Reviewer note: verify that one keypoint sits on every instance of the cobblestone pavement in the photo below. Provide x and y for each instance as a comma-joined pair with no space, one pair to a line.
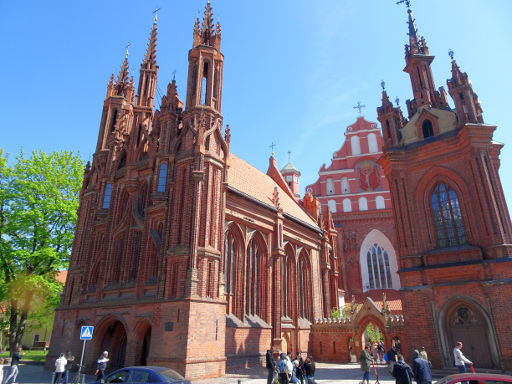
325,374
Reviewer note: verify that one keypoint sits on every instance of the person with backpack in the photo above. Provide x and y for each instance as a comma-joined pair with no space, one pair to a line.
402,372
282,368
365,360
309,369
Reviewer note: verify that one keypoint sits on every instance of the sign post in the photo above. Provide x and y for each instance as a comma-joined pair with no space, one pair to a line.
85,334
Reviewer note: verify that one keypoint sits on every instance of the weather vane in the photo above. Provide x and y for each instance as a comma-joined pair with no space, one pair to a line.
407,3
127,47
450,53
155,12
359,107
383,84
272,146
289,153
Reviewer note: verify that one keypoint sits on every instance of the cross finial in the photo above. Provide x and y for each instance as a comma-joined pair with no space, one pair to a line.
451,53
397,101
407,3
155,12
127,47
173,75
289,153
383,84
272,146
359,107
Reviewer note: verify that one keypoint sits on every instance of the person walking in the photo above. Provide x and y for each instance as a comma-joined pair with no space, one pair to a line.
101,366
309,369
283,376
300,367
460,359
271,366
60,368
402,371
70,358
365,360
15,360
421,368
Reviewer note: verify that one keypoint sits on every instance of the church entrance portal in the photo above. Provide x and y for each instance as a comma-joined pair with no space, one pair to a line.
463,323
114,341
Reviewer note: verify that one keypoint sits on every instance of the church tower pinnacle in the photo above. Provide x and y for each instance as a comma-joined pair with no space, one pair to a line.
418,62
204,85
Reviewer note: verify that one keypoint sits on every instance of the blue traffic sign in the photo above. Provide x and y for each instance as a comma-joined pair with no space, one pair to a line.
86,332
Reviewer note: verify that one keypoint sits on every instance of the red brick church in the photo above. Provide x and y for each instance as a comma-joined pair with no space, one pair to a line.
187,256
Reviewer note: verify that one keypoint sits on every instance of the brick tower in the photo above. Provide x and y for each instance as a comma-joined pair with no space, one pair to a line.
453,228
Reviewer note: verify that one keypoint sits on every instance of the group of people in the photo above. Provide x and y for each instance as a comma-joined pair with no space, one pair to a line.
401,371
285,370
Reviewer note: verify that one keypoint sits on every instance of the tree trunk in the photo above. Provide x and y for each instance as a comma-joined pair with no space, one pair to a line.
13,325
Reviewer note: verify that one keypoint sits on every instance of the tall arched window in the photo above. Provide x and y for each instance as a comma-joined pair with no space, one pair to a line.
379,273
347,205
332,206
162,178
355,145
363,204
372,143
329,186
427,129
107,196
447,217
304,282
379,202
252,280
287,283
345,188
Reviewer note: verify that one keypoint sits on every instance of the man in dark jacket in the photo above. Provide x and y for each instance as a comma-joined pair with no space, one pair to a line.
421,369
271,366
402,372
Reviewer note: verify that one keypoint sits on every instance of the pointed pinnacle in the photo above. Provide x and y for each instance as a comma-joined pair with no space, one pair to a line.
151,50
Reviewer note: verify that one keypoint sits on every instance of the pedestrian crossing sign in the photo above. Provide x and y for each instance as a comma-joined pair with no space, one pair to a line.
86,332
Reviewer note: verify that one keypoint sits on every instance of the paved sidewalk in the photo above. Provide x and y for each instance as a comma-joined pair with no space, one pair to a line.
326,373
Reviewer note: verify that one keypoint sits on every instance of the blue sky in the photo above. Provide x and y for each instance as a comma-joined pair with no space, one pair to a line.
293,69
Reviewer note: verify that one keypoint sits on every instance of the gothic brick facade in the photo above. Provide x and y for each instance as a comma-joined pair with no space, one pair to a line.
185,255
454,235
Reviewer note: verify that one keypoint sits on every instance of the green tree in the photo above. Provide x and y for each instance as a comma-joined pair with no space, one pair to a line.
39,198
373,333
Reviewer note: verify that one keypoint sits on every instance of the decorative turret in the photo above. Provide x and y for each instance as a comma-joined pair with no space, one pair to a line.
391,120
205,65
466,101
291,175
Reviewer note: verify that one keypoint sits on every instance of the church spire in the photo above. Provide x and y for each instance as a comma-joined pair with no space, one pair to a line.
123,79
148,72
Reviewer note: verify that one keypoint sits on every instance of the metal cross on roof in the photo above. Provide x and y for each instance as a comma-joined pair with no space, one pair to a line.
272,146
174,75
289,153
155,12
359,107
127,47
451,53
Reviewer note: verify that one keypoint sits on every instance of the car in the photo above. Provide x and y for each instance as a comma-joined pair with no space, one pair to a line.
476,378
143,374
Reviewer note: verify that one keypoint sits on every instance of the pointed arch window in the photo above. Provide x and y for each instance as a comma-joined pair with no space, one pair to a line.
304,282
107,196
285,288
162,178
379,272
428,130
253,281
447,217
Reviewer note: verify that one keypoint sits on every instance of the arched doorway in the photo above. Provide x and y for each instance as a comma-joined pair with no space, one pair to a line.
114,341
373,336
145,347
465,323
